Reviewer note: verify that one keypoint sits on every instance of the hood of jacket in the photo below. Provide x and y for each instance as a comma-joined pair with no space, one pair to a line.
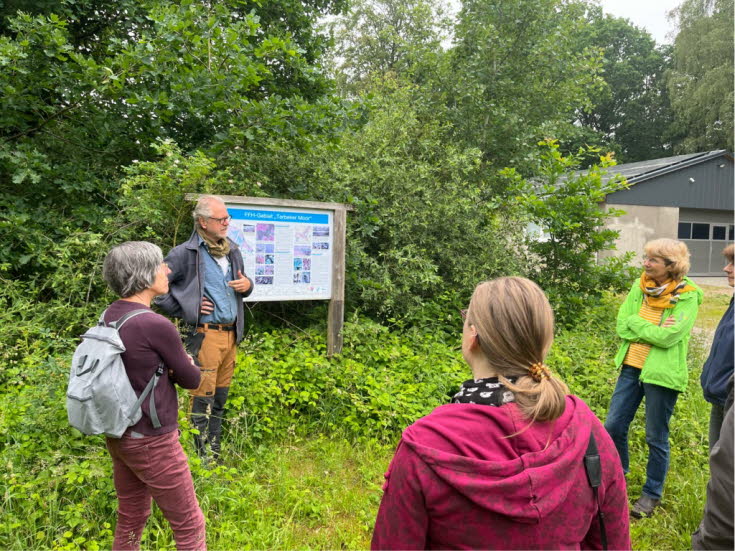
524,477
696,292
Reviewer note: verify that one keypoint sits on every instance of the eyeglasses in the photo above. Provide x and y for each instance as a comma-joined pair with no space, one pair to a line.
656,260
463,313
223,221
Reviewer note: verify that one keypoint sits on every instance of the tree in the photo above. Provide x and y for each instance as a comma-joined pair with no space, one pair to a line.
518,71
93,88
422,229
701,80
376,37
631,111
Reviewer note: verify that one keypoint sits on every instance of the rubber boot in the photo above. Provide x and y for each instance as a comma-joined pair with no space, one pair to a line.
199,420
215,420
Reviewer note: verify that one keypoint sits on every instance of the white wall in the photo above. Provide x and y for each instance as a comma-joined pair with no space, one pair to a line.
639,225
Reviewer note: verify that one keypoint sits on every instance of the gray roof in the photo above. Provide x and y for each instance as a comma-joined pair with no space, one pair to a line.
644,170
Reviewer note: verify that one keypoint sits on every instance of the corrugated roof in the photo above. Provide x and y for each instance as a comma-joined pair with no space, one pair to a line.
644,170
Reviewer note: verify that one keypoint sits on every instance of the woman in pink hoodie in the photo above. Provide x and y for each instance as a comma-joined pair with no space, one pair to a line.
503,465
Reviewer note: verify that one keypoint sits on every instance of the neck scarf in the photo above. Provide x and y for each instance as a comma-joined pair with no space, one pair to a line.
217,249
489,392
664,296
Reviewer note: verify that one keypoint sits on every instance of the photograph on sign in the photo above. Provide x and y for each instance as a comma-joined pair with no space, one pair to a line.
287,251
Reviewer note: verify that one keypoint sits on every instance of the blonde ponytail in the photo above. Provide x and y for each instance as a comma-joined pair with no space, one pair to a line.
515,328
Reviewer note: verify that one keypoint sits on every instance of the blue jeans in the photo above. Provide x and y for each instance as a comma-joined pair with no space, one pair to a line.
660,401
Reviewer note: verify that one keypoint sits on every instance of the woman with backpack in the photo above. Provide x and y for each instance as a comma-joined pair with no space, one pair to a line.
148,461
513,462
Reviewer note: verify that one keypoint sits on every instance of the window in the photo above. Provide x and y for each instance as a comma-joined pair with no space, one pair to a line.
700,231
730,233
719,233
685,230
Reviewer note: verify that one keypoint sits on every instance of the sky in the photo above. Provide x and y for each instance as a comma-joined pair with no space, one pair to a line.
652,15
649,14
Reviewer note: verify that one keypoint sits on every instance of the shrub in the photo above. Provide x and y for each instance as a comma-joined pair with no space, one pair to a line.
564,203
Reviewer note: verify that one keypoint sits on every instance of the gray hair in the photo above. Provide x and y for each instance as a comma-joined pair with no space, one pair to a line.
203,208
131,267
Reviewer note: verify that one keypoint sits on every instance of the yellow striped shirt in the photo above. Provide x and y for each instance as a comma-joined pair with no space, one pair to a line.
638,351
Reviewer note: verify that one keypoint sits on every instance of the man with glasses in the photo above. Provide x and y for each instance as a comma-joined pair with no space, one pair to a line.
207,285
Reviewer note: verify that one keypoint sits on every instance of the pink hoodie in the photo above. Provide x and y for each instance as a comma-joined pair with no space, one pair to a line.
455,482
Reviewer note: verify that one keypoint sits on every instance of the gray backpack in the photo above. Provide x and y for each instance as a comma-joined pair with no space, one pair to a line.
99,398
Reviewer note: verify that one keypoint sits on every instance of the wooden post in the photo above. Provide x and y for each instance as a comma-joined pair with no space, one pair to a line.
336,318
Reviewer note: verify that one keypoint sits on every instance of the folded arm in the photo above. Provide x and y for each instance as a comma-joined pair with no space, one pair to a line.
670,333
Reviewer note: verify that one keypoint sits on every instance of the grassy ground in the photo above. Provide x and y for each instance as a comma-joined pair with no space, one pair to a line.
314,493
714,305
323,494
318,492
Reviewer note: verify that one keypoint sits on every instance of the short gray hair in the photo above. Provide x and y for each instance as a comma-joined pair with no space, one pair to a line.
131,267
203,208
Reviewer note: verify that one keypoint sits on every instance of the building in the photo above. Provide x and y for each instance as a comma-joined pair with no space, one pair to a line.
687,197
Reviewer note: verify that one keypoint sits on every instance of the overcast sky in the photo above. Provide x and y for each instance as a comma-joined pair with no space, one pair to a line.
649,14
652,15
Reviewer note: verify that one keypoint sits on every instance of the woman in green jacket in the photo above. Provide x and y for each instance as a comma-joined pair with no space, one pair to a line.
655,323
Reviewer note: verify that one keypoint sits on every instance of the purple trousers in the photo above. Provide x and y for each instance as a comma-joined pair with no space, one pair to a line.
154,467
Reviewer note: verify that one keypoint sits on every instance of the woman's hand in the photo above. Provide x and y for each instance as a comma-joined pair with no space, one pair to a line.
668,322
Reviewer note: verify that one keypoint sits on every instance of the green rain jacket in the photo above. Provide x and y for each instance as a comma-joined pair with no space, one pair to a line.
666,363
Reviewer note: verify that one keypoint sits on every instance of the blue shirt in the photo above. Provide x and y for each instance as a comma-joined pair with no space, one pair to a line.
719,366
216,290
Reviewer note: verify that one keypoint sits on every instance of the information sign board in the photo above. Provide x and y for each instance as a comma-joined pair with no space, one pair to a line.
288,251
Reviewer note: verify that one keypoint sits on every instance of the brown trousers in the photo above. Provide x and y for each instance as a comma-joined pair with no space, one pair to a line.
217,358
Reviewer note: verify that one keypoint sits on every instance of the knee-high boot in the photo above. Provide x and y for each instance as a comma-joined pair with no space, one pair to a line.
215,420
199,420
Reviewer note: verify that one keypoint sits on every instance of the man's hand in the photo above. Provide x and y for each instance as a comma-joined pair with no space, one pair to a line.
207,306
241,285
669,322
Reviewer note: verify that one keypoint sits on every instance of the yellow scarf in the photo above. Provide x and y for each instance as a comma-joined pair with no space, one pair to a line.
663,296
217,249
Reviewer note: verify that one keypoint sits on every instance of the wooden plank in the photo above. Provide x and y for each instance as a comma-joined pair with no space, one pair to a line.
336,318
271,202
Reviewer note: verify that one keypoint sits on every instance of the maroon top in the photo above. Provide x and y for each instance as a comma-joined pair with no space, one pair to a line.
150,339
457,481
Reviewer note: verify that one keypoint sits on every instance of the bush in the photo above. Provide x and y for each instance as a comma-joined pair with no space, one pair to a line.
564,203
378,385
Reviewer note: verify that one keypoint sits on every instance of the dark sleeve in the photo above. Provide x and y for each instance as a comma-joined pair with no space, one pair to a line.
730,392
716,529
164,339
167,302
613,501
402,521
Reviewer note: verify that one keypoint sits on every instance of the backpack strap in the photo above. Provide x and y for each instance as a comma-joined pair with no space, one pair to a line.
593,468
119,323
151,402
153,380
